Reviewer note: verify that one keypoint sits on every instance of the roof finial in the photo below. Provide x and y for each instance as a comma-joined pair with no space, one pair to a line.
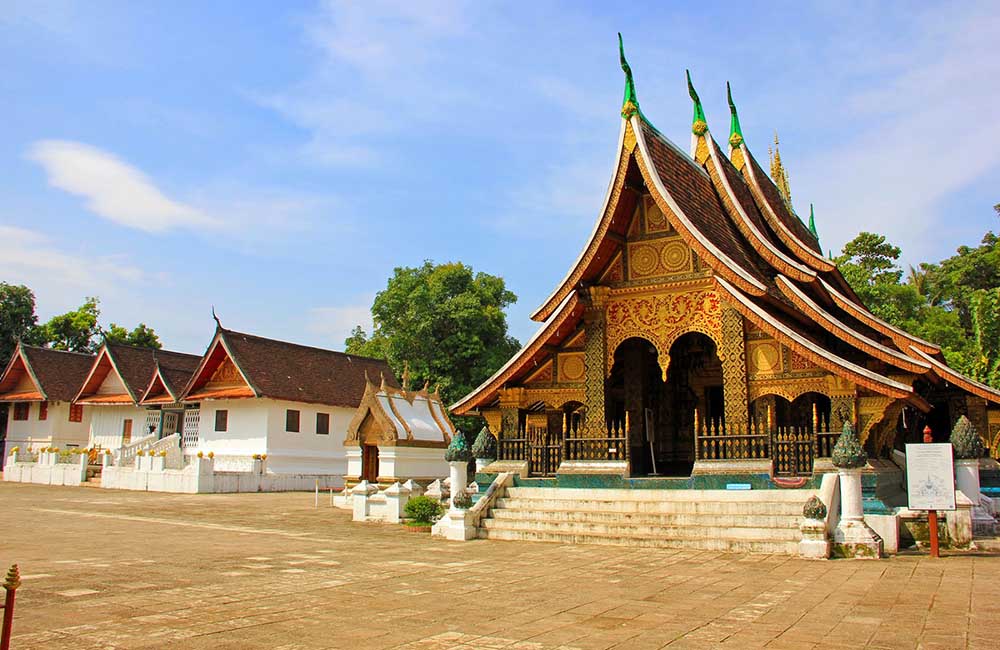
406,375
381,376
218,323
630,103
778,173
699,124
735,132
812,222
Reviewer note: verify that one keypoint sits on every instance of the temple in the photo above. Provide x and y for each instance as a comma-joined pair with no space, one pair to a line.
702,331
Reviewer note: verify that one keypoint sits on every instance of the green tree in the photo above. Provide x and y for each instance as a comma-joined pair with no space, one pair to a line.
141,336
446,321
17,318
75,331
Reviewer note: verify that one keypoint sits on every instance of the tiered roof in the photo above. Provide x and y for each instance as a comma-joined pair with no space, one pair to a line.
765,262
39,374
120,374
402,416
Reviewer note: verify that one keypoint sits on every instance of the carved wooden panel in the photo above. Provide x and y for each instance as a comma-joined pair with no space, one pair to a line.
653,258
572,367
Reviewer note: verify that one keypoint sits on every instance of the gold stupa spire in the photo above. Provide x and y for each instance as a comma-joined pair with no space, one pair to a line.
778,173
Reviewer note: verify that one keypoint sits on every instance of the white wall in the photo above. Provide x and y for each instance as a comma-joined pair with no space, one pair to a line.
54,431
107,422
257,426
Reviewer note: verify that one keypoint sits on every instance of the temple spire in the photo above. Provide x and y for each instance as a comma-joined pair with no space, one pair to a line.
735,132
630,103
698,124
812,222
778,173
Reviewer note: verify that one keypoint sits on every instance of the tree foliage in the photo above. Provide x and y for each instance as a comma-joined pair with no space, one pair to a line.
74,331
141,336
954,303
445,320
17,318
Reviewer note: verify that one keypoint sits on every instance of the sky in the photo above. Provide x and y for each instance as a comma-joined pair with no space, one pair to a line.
278,160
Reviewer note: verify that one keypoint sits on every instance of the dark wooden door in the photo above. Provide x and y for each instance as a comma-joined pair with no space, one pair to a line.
126,433
369,463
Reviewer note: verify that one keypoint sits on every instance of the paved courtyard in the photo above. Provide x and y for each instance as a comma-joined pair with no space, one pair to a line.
108,569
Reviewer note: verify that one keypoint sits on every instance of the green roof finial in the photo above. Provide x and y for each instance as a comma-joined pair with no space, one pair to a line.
699,124
735,132
630,103
812,222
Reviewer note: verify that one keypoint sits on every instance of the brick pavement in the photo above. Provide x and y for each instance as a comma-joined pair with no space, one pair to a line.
108,569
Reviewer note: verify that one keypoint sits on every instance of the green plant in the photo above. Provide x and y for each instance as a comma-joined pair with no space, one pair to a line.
847,453
423,510
965,442
485,445
458,450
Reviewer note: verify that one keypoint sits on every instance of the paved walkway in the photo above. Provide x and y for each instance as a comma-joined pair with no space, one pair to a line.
109,569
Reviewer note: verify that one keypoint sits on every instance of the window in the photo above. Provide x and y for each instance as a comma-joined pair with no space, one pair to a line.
43,411
292,421
21,410
127,431
76,413
221,420
323,424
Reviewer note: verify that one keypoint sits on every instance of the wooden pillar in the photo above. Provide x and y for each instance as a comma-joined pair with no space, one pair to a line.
595,362
734,371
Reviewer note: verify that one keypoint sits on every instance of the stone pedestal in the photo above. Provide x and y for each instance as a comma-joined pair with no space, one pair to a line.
959,521
967,478
852,537
396,496
457,480
359,500
456,524
814,544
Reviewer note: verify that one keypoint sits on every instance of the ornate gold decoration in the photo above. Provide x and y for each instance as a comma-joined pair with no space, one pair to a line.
699,128
629,109
661,318
629,140
542,375
789,388
594,362
871,411
512,397
656,220
738,159
508,422
576,340
492,417
734,368
571,367
557,397
764,357
13,579
615,271
227,374
797,362
675,257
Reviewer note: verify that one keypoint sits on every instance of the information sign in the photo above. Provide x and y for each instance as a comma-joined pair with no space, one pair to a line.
930,476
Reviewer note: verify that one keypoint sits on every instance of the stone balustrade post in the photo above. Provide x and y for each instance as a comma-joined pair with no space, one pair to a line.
396,497
359,500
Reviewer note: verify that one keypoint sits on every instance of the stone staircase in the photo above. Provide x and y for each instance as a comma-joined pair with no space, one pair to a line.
753,521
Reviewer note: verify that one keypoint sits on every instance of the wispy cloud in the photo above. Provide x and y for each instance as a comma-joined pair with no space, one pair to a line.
334,324
112,188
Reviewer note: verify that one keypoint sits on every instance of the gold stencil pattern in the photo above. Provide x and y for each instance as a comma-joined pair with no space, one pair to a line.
658,257
571,367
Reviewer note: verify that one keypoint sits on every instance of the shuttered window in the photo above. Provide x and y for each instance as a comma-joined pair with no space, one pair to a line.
323,424
292,421
221,420
21,410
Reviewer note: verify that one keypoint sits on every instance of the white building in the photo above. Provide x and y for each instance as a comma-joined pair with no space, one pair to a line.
288,402
118,379
40,384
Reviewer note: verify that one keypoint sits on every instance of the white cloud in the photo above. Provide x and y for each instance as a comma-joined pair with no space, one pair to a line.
113,189
62,277
334,324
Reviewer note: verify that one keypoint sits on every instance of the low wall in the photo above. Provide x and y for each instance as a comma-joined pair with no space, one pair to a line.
47,471
200,477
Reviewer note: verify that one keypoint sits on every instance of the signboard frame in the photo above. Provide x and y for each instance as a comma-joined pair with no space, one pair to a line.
930,476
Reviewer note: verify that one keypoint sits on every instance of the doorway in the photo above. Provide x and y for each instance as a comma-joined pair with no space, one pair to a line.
369,463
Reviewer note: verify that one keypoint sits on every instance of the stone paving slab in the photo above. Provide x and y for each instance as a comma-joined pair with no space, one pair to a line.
109,570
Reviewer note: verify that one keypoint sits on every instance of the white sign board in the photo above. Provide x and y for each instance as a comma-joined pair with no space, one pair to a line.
930,476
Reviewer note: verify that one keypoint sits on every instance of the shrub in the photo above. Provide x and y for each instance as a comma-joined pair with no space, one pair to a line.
423,510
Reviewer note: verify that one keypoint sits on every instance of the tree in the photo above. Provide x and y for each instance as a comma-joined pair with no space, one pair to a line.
17,318
142,336
75,331
447,322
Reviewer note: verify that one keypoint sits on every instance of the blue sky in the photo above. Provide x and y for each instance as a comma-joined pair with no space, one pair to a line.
277,160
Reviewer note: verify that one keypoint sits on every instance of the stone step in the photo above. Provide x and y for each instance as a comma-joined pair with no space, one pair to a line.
646,495
706,544
622,529
706,507
649,518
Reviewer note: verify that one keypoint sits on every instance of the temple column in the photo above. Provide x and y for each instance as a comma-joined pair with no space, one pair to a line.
734,371
595,362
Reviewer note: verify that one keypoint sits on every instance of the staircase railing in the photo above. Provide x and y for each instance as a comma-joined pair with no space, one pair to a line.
715,441
125,455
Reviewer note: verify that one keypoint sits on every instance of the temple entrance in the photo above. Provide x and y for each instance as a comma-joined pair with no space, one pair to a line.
661,415
369,463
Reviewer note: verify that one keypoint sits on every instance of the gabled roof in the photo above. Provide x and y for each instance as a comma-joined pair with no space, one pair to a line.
133,368
169,379
281,370
55,375
402,416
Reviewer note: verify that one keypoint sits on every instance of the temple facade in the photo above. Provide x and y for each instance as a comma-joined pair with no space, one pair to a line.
701,329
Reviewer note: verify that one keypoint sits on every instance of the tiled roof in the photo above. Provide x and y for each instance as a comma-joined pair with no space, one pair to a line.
137,365
59,373
780,207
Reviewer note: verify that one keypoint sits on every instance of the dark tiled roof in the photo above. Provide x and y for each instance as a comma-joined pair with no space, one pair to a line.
692,188
60,373
299,373
137,365
777,203
177,371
